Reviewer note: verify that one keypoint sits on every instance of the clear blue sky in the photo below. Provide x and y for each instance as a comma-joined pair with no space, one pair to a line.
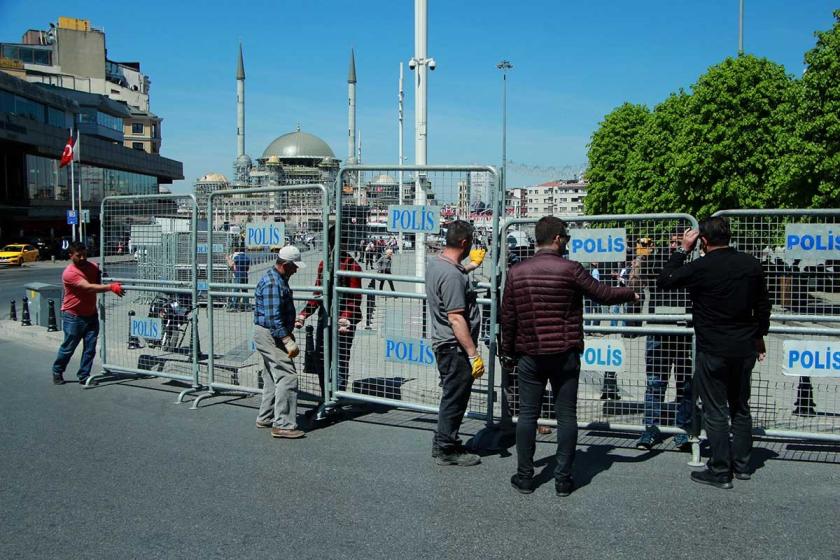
573,63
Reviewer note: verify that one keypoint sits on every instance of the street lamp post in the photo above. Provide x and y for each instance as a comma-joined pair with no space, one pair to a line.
741,28
504,66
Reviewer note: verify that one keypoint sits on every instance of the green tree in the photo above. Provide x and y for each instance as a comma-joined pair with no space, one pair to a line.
611,145
819,120
735,133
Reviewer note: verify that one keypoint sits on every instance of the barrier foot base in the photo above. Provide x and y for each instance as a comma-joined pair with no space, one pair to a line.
201,397
695,461
186,392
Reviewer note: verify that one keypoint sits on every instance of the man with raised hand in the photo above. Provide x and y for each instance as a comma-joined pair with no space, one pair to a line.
274,321
456,322
731,311
79,318
542,333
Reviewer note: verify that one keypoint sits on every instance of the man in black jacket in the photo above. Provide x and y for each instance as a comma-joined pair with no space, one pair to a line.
731,311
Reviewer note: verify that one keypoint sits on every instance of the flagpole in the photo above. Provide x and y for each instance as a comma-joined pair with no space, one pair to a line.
72,199
82,227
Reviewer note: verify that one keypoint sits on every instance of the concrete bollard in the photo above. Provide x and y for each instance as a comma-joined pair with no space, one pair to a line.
25,321
52,324
133,343
12,311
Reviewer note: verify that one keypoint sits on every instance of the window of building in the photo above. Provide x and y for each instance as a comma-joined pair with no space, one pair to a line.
56,117
137,145
30,109
137,128
109,121
7,102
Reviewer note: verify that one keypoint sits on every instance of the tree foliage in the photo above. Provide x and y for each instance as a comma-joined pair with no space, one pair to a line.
747,135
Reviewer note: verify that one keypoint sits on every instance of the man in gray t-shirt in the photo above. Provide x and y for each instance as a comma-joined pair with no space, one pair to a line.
455,326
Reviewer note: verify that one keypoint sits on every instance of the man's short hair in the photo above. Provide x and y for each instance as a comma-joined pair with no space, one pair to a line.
549,227
716,231
458,231
76,247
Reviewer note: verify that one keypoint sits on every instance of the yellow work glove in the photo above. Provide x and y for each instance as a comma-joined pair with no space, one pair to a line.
292,349
477,366
477,256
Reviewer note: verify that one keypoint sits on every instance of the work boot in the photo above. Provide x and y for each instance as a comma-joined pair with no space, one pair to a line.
286,433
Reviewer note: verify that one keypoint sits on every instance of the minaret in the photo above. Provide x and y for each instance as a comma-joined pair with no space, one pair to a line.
351,101
240,106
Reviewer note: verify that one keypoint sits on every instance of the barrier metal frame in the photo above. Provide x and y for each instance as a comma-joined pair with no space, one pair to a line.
221,289
145,285
793,317
332,383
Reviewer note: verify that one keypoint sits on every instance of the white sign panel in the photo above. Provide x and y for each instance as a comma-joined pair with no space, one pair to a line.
816,358
265,234
146,235
812,242
603,354
416,351
598,245
150,328
416,219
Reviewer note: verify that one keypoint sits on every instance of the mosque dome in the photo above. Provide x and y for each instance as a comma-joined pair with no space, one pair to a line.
298,144
213,178
384,180
243,161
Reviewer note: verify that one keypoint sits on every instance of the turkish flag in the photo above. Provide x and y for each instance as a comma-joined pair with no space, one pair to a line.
67,154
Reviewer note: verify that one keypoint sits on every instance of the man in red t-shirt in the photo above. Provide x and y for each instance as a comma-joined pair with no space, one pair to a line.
349,315
78,312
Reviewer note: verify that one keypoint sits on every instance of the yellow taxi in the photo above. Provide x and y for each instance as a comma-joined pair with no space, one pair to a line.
18,254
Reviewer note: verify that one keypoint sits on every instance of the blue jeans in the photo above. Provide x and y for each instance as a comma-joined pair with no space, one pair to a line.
77,329
661,352
615,309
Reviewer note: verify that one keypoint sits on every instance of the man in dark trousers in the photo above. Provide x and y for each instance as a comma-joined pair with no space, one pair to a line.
79,318
542,330
731,311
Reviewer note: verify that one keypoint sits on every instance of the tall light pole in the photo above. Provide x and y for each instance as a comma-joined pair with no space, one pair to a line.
504,66
741,28
401,97
421,65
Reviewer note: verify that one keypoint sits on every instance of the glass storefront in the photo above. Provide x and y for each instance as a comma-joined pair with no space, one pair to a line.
46,181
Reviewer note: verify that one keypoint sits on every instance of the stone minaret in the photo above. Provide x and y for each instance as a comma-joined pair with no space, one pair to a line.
240,106
351,101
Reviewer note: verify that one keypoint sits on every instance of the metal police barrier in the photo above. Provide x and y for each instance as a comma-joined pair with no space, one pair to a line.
148,243
390,219
637,361
245,229
796,390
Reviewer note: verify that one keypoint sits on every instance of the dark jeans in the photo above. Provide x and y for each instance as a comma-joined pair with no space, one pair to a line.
661,352
563,370
724,387
77,329
456,383
390,283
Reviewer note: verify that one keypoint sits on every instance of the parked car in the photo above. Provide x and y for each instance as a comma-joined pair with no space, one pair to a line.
18,254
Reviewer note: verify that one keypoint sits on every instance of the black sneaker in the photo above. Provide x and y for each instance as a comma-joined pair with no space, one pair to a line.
458,459
743,475
707,477
83,381
522,484
58,380
648,438
564,487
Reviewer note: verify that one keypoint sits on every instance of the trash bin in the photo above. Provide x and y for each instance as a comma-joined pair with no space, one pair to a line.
39,295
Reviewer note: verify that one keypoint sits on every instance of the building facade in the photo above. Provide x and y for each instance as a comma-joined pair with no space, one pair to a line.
555,198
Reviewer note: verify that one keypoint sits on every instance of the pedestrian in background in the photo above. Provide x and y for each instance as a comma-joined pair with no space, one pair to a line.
456,321
383,266
274,322
239,263
79,318
542,334
731,311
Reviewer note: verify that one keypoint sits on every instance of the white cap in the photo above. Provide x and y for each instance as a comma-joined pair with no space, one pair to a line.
290,253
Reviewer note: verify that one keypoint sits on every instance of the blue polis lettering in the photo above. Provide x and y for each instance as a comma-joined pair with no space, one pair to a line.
601,357
816,242
411,352
266,235
609,245
415,219
809,359
145,328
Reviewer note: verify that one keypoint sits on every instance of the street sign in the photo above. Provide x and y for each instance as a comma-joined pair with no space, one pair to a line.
85,216
72,217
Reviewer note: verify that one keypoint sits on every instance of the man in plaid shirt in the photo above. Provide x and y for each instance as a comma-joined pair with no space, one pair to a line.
349,315
274,321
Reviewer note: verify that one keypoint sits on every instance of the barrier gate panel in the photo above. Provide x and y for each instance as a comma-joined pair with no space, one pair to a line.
247,228
797,388
148,244
386,234
637,363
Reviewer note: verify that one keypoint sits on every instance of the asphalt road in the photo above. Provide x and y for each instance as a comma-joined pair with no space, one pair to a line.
120,471
13,279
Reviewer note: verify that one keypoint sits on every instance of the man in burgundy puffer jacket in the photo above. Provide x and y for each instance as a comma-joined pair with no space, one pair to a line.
542,330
